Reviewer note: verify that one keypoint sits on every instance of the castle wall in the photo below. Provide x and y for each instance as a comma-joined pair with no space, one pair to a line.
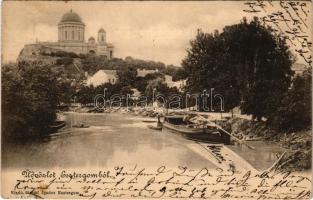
81,47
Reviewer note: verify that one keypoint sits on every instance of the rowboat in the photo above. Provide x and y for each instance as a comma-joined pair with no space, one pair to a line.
56,126
81,125
158,128
205,133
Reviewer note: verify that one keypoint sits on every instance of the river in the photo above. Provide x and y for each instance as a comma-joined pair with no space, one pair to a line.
120,139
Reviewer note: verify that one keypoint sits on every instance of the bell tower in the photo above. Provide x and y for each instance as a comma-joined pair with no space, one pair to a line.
101,36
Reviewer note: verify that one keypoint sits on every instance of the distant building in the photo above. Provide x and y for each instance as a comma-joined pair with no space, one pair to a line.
110,76
144,72
71,38
101,77
178,84
299,68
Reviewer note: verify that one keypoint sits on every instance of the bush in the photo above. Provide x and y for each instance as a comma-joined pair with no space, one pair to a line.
64,54
64,61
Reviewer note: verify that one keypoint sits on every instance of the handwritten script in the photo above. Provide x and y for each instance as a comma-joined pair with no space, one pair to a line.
289,19
161,182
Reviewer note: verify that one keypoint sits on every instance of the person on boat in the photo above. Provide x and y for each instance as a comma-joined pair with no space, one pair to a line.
159,124
186,119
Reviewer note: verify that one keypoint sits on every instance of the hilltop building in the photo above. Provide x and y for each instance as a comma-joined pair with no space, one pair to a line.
71,38
101,77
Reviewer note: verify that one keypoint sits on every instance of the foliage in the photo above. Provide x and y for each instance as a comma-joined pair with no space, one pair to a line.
92,63
64,61
60,54
295,110
158,86
207,68
86,94
180,74
263,65
127,76
64,54
30,97
245,63
142,82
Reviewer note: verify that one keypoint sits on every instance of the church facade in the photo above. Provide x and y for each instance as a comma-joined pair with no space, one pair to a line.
71,38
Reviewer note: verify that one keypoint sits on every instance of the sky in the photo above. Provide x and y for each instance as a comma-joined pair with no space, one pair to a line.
159,31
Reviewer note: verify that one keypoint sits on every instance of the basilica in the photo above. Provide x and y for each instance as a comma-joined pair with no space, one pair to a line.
71,38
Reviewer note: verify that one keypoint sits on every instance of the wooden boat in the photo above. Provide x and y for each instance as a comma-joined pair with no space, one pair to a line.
205,133
158,128
56,126
149,121
81,125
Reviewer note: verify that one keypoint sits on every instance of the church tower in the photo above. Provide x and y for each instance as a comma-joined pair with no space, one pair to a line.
101,36
102,46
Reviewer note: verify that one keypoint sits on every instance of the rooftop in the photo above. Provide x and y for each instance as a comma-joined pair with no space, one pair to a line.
71,17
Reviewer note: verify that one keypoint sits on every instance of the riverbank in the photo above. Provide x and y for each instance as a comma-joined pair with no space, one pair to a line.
298,145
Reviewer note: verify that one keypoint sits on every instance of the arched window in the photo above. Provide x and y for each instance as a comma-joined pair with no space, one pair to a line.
73,34
102,38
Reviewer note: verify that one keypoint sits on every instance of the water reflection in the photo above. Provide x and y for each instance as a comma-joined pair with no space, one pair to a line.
119,139
262,157
112,139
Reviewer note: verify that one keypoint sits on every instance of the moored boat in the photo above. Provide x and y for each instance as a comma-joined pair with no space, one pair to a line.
80,125
56,126
200,132
158,128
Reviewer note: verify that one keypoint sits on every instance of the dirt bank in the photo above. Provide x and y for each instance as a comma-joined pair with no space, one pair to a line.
298,144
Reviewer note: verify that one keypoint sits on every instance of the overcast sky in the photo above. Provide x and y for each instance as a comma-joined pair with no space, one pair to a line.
158,31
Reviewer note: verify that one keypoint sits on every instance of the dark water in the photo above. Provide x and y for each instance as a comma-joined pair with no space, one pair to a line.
112,139
120,139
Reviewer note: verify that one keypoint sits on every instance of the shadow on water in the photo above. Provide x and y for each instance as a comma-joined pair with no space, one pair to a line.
119,139
112,139
262,157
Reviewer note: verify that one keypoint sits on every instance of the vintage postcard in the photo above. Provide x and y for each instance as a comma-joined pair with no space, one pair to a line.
156,100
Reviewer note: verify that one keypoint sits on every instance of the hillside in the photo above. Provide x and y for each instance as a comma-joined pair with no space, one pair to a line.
72,63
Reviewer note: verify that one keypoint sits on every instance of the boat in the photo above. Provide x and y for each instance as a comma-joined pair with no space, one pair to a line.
56,126
81,125
158,128
149,121
199,132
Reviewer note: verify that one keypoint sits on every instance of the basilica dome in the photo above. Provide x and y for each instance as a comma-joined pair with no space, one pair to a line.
101,30
71,17
71,28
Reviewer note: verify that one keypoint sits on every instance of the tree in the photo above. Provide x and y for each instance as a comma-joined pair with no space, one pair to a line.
207,68
262,66
245,63
127,76
295,110
86,95
158,86
180,74
31,95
